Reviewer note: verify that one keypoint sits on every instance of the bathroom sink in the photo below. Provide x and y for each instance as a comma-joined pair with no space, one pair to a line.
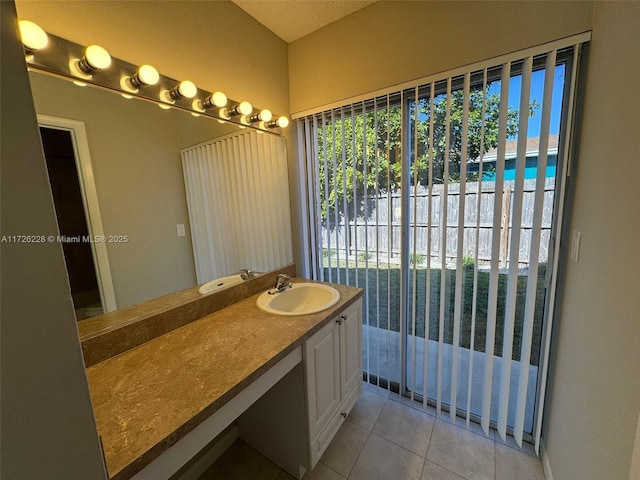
300,299
219,283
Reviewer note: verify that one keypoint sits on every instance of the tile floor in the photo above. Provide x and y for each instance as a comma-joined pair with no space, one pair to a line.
388,437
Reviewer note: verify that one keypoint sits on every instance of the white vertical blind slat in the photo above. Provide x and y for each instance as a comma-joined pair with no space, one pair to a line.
334,175
532,280
427,313
414,279
495,250
443,245
389,243
474,299
457,315
514,249
318,204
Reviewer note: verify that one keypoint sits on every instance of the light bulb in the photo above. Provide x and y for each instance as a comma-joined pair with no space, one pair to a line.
245,108
164,106
187,89
184,89
146,75
95,59
281,122
217,99
262,116
33,37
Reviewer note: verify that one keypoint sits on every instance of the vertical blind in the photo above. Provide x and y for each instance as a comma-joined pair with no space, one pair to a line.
443,201
238,199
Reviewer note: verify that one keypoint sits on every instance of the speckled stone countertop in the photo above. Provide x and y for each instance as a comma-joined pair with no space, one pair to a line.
149,397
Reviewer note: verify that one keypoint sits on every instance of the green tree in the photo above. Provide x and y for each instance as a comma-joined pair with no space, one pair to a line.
361,152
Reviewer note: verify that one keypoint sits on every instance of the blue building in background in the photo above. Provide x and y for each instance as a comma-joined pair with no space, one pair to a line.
533,148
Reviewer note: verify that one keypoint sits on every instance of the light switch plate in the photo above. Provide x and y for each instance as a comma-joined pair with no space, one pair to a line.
180,228
575,245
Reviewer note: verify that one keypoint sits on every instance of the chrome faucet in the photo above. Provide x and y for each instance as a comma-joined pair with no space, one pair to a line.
247,274
282,283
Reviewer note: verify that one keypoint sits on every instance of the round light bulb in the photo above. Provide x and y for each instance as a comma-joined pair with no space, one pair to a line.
148,75
266,115
33,37
283,122
187,89
164,106
97,57
219,99
245,108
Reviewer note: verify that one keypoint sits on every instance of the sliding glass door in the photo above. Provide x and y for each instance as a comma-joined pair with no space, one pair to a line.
442,201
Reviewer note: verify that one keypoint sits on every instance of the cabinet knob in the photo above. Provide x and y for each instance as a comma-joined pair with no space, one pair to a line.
344,414
340,319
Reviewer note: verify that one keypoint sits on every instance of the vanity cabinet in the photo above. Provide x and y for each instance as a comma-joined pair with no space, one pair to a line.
333,374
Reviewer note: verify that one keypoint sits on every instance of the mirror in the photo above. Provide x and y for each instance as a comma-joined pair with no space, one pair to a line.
134,148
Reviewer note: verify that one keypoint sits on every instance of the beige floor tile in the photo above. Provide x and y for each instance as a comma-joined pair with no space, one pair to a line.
242,462
416,405
472,427
512,463
462,452
383,460
344,449
366,411
510,442
383,392
436,472
322,472
406,427
214,472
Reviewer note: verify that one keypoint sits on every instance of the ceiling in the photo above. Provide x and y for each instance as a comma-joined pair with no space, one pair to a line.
293,19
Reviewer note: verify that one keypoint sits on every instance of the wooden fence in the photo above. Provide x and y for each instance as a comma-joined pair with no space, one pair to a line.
377,236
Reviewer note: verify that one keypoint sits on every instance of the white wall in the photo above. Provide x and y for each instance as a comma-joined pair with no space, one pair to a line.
590,424
48,429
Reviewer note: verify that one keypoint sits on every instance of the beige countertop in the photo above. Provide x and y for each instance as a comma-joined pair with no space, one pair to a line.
148,398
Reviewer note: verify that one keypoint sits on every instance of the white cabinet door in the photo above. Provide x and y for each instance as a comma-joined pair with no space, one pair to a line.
323,376
350,347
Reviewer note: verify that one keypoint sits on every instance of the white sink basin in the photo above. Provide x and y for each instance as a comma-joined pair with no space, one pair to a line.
219,283
300,299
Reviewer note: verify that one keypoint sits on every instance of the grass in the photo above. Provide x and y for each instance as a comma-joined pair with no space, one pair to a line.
382,290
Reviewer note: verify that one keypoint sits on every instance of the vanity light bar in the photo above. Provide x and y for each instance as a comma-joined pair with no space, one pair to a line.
93,65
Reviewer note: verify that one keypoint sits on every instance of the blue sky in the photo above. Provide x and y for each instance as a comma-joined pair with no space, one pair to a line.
537,88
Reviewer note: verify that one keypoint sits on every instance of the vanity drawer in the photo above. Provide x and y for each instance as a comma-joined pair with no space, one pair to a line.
322,441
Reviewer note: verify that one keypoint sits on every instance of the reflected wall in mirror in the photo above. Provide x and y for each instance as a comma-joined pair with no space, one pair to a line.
134,147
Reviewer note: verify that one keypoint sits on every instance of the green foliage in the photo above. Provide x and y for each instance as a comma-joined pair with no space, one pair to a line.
416,258
468,263
361,153
364,256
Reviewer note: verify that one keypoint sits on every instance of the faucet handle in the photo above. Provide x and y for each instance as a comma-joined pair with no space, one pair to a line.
283,281
246,274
